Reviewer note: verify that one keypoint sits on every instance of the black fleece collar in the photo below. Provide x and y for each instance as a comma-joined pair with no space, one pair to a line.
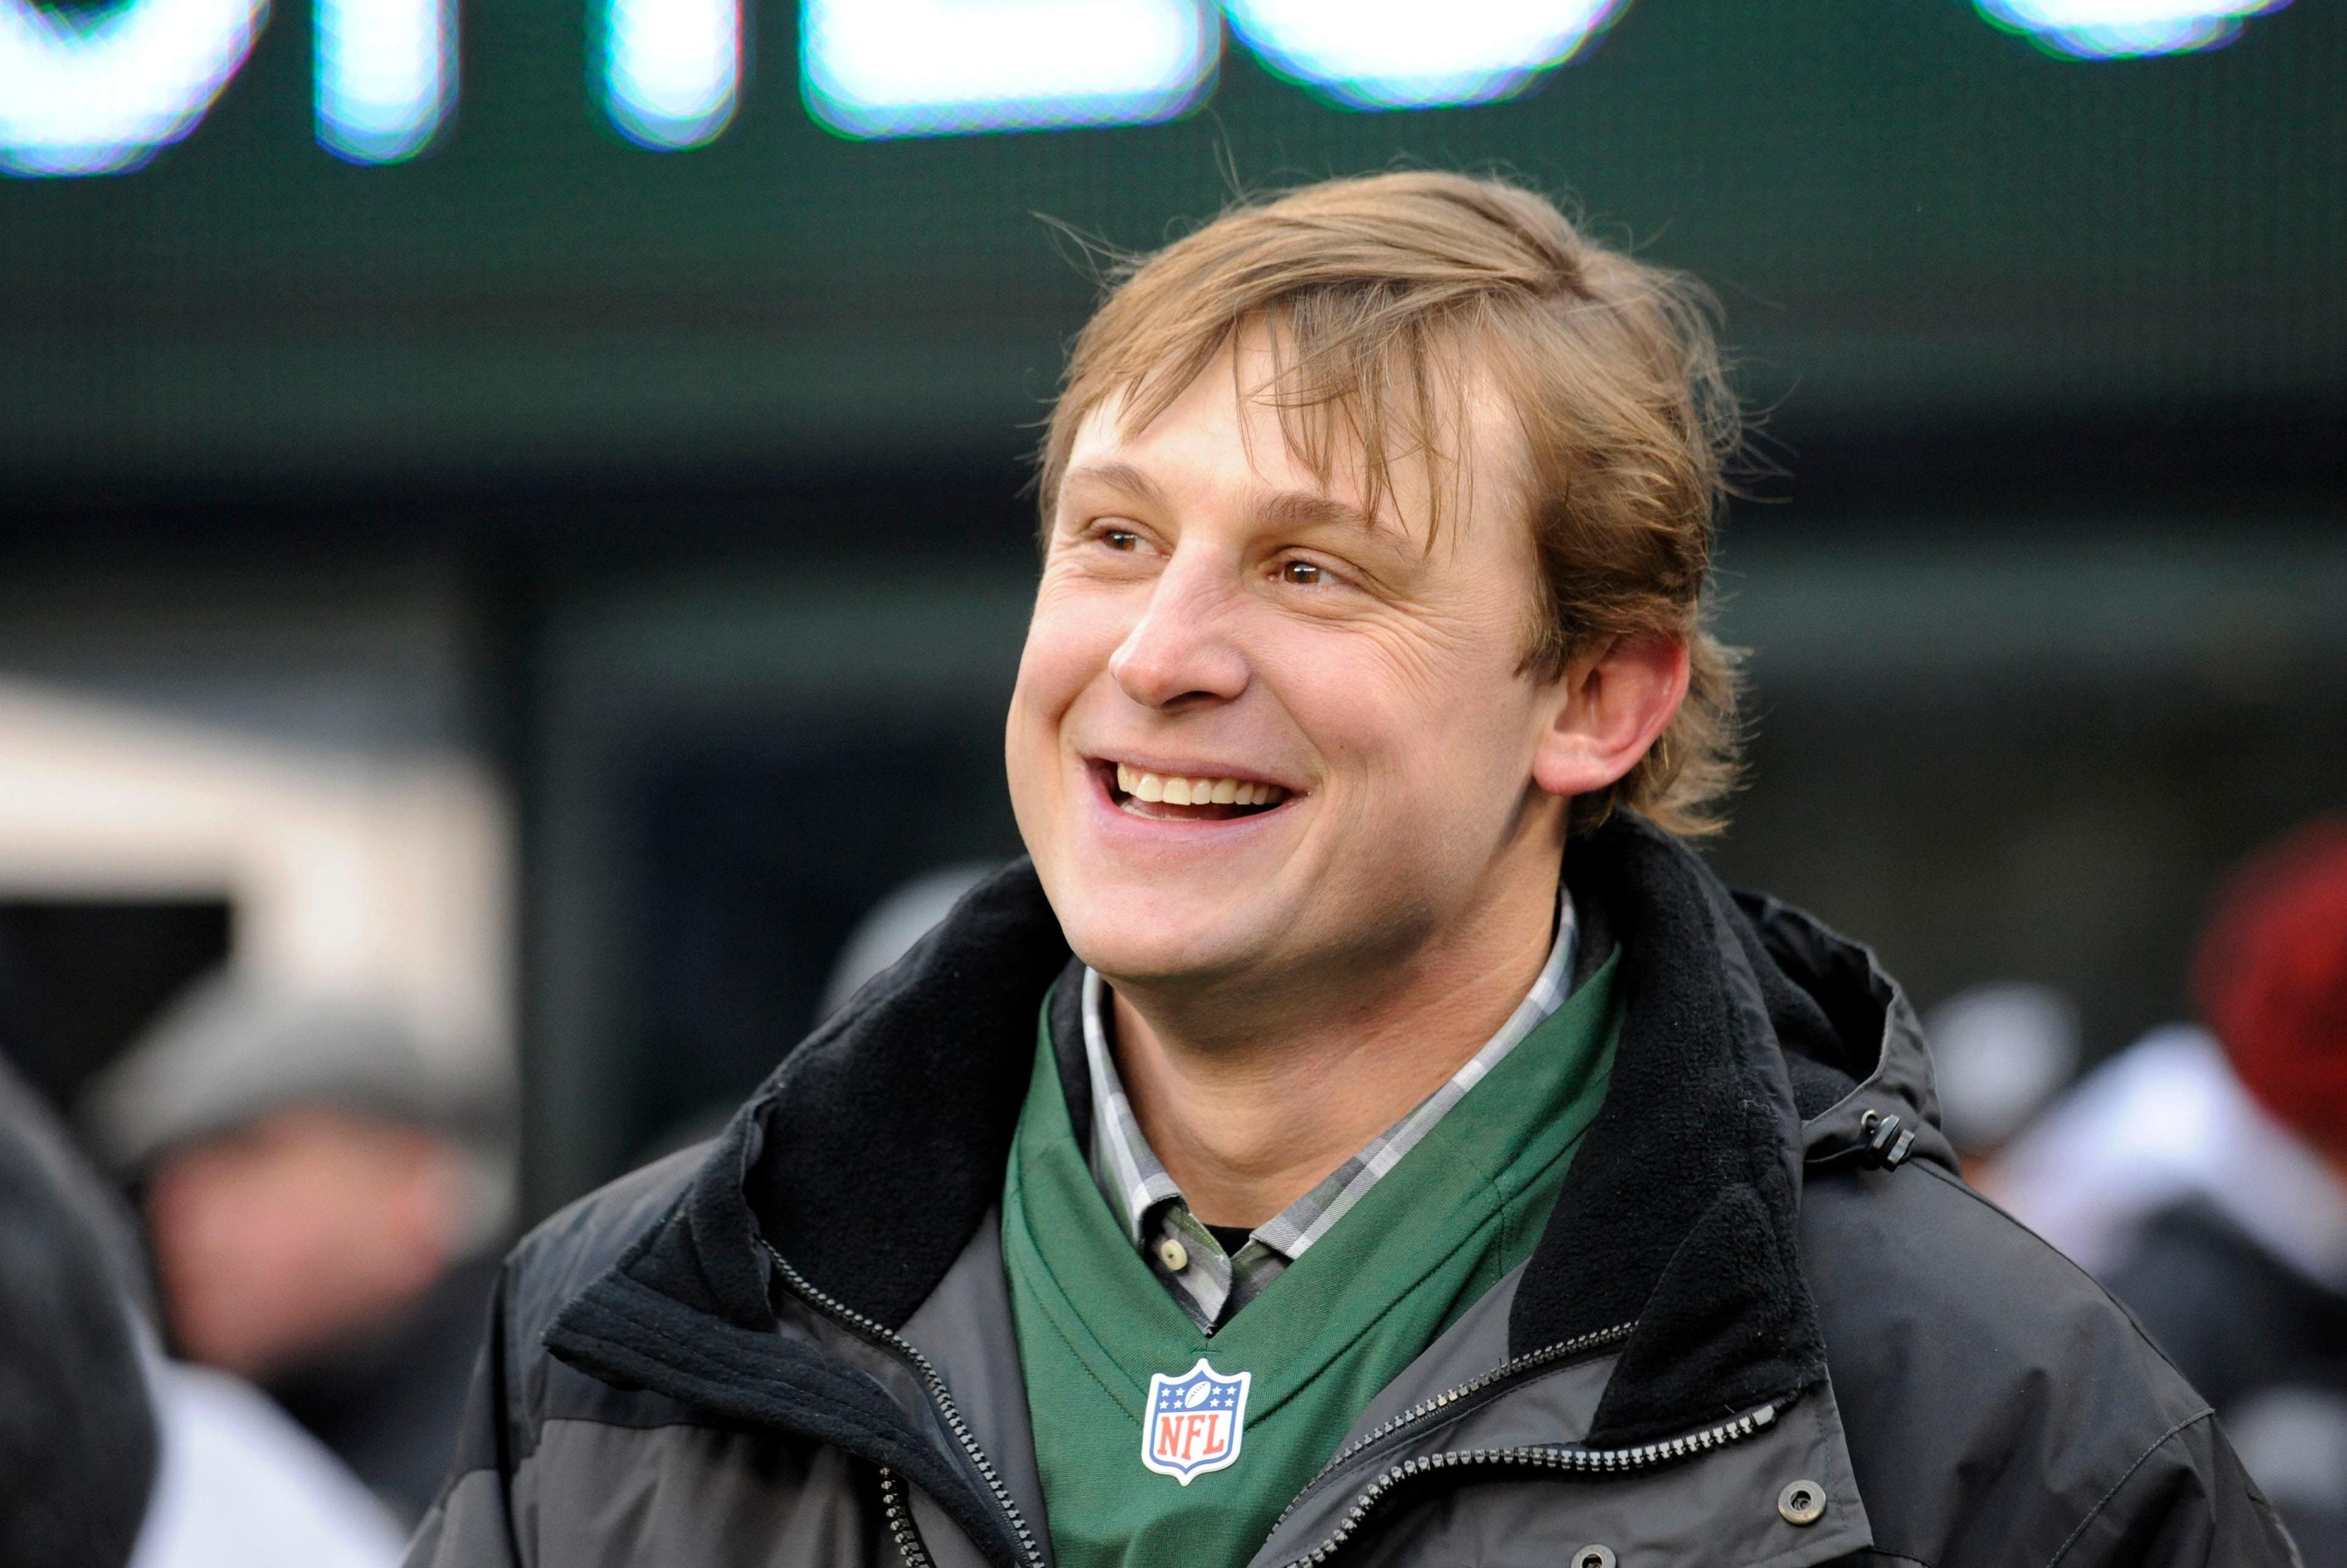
1679,1211
874,1152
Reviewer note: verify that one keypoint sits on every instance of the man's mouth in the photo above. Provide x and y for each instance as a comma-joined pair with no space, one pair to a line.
1179,797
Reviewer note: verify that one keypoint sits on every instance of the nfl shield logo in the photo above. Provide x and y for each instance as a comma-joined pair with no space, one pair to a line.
1193,1422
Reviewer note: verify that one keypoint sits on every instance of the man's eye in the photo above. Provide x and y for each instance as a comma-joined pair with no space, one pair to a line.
1121,539
1302,572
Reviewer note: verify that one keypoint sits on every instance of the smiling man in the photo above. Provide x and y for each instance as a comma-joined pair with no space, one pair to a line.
1361,1132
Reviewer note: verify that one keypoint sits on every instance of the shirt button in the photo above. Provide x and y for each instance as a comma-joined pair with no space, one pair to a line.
1172,1255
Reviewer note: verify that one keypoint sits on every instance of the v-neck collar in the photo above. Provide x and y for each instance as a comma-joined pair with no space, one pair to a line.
1466,1176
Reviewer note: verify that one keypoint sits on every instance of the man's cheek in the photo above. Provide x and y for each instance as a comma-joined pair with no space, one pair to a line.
1067,647
1067,652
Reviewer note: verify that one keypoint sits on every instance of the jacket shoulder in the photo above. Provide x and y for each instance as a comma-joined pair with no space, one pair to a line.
1996,1398
556,1466
1915,1249
577,1245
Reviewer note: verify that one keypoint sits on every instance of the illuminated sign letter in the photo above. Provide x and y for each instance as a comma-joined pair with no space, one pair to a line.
2119,29
1414,54
103,93
385,76
926,67
669,70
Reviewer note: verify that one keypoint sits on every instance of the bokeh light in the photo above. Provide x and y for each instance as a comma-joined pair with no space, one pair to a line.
669,70
385,76
927,68
1405,54
99,94
2123,30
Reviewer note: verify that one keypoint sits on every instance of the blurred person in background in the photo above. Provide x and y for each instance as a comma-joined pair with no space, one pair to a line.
2164,1120
2241,1273
78,1439
110,1454
323,1202
1363,1130
2217,1121
908,912
2001,1052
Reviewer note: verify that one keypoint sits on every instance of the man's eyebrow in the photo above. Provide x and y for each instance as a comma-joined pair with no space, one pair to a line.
1310,508
1111,474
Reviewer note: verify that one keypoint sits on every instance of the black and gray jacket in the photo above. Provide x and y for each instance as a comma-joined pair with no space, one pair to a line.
1768,1325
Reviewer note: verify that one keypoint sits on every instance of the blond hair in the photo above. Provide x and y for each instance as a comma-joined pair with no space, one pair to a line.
1384,298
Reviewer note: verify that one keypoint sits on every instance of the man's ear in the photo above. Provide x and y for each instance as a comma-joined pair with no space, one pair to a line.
1609,707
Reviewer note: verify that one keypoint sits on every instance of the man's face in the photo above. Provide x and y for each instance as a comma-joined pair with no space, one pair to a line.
279,1240
1214,623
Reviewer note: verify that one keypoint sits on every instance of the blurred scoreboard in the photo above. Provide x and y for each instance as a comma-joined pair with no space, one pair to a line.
382,239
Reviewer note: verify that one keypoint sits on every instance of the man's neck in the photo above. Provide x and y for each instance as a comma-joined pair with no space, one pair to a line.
1249,1107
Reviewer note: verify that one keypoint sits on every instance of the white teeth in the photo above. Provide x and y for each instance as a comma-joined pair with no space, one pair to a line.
1177,791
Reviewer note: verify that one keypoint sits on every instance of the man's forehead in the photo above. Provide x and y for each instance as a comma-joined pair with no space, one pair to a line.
1298,507
1286,488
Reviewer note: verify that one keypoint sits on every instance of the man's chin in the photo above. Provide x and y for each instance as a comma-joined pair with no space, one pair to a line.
1168,948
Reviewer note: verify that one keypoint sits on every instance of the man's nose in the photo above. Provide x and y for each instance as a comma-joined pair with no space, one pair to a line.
1180,651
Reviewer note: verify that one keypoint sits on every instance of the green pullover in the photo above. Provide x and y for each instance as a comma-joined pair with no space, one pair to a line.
1437,1231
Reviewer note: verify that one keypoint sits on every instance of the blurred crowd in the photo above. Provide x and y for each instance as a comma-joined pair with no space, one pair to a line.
254,1283
241,1281
2201,1173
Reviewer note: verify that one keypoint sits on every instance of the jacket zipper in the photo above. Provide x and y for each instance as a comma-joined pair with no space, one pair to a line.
908,1538
1581,1345
899,1510
905,1536
1577,1462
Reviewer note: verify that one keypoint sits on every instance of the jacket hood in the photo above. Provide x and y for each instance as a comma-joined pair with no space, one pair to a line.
1877,1066
1755,1041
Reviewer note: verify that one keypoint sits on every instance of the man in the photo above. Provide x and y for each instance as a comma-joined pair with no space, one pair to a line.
322,1200
1361,1133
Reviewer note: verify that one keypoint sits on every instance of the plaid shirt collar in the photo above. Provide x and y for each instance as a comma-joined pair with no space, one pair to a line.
1210,1283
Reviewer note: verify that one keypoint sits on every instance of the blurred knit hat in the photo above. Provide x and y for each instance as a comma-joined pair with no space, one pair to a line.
229,1052
2272,975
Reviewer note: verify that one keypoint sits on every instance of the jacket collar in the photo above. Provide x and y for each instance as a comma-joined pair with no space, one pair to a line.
874,1152
1679,1211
